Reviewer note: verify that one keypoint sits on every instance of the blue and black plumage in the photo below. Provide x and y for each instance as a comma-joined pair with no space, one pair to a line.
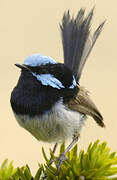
48,100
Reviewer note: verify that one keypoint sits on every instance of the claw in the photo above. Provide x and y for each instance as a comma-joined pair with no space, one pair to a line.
61,159
62,156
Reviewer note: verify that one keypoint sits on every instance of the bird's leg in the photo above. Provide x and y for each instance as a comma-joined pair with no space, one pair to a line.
54,148
62,157
53,151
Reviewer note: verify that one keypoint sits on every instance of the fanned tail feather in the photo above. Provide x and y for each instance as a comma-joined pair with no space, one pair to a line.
77,40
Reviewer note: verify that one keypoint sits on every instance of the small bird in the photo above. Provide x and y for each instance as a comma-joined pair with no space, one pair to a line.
48,100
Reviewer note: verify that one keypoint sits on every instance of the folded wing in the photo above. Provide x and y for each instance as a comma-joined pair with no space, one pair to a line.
83,104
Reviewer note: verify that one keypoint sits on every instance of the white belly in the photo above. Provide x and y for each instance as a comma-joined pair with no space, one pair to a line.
56,125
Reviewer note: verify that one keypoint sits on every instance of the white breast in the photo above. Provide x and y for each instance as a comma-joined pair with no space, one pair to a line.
54,126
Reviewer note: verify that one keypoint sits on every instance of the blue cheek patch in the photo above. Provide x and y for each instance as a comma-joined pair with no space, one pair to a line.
49,80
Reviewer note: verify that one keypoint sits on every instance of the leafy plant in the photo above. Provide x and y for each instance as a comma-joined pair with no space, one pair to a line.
97,163
7,170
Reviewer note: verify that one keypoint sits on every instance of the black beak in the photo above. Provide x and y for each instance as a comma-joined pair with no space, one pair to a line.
22,66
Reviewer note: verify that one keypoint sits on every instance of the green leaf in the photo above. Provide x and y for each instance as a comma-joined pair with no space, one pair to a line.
62,148
38,174
44,155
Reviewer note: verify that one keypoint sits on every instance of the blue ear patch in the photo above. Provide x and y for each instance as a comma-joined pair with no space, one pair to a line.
50,80
38,60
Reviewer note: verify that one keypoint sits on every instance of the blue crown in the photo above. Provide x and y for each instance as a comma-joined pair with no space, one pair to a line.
38,60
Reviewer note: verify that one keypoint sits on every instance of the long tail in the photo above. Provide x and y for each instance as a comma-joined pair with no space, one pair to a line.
77,40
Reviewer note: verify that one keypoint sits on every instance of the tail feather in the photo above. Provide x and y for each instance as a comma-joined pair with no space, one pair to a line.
77,40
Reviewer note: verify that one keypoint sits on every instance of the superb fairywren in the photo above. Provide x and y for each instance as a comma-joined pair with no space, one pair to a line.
48,100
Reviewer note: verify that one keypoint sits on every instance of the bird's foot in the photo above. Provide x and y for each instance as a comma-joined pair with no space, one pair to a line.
62,156
61,159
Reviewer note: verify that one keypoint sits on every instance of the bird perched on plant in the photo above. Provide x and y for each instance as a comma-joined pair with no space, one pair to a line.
48,100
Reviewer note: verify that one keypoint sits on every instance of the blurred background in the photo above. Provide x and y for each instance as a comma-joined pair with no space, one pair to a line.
28,27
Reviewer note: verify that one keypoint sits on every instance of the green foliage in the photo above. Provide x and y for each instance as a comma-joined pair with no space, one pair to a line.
97,163
6,170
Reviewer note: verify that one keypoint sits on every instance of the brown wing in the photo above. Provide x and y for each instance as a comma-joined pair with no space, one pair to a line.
83,104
